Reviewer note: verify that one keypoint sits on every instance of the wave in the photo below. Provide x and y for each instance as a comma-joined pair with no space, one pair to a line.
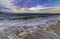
13,16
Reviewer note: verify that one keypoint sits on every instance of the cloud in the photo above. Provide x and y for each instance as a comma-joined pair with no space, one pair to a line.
7,4
39,8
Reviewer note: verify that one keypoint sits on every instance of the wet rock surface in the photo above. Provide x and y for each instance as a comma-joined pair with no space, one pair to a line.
47,28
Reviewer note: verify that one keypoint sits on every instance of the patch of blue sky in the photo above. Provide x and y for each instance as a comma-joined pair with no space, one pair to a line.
52,4
31,3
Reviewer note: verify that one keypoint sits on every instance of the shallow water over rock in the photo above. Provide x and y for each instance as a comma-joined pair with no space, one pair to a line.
36,28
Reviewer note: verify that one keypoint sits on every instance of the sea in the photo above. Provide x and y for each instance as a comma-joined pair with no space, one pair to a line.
24,19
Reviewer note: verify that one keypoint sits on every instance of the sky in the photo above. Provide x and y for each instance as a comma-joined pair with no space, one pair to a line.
26,5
